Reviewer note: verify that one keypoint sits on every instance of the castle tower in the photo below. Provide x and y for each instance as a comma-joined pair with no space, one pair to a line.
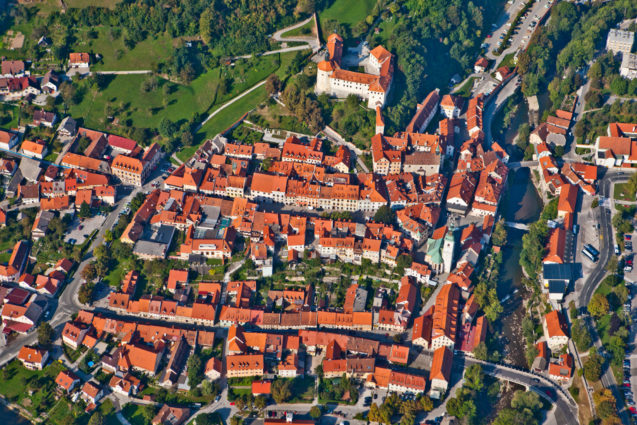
380,123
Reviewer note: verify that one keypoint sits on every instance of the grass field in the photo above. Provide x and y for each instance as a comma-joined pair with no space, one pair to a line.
347,12
48,6
465,90
41,383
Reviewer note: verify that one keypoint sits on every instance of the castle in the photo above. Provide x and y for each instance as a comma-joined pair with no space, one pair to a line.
373,85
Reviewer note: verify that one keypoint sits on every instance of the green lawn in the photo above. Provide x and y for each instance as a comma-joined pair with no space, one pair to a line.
347,12
620,192
117,57
465,90
115,276
134,414
508,61
9,115
303,388
146,110
225,119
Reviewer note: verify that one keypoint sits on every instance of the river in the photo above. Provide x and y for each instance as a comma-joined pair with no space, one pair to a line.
8,416
522,204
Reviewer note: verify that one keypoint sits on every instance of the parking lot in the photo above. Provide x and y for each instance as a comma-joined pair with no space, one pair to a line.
80,230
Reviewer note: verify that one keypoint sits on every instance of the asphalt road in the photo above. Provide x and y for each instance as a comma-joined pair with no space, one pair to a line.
595,278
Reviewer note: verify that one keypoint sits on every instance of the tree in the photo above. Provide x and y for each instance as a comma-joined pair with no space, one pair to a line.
385,215
273,84
474,377
480,351
167,128
236,420
45,334
260,402
89,273
315,412
593,367
96,419
426,404
195,370
206,419
281,390
499,236
598,306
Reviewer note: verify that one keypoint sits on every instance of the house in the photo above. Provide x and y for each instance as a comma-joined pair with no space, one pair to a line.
261,387
556,247
127,385
44,118
421,331
91,392
17,261
73,334
213,369
33,358
50,82
176,279
450,106
67,380
79,60
8,140
33,149
501,73
12,69
169,415
568,200
141,357
481,64
67,128
562,370
440,373
555,330
541,361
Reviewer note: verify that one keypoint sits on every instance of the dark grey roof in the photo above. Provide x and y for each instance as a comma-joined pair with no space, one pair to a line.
557,272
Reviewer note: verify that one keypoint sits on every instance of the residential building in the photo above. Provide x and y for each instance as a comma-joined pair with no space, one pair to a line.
16,264
620,41
450,106
445,317
33,358
561,370
628,68
555,330
67,380
79,60
8,140
440,374
170,415
245,365
425,112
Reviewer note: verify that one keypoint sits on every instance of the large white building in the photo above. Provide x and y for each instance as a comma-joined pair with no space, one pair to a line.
620,41
373,86
628,68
